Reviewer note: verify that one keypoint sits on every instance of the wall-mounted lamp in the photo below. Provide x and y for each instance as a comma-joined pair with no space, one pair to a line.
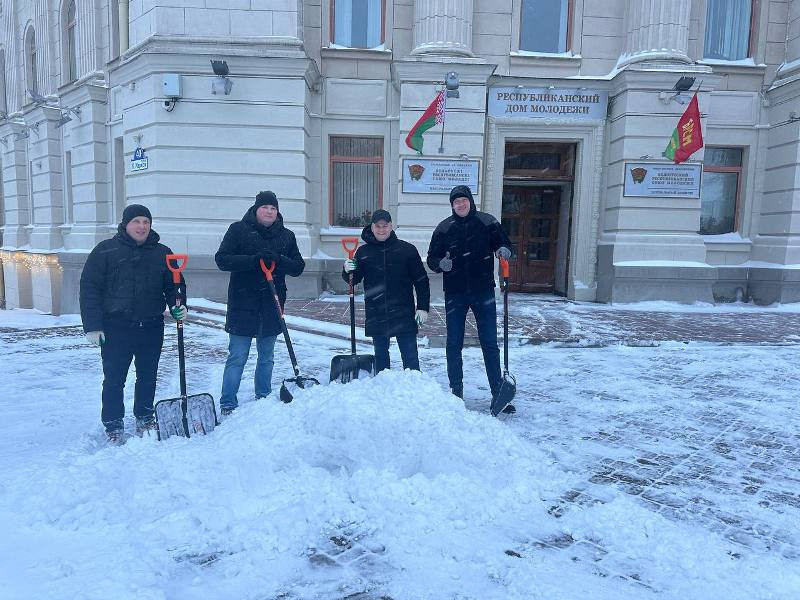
684,84
65,118
221,84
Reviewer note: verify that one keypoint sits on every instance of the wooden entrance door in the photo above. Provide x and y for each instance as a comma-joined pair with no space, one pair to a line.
530,217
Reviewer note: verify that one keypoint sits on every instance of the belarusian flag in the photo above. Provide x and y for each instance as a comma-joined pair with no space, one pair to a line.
688,135
432,116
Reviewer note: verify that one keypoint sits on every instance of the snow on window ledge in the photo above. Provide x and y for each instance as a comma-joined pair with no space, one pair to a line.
744,62
726,238
568,55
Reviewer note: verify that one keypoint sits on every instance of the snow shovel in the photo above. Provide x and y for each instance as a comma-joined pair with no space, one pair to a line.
508,387
346,367
292,384
185,414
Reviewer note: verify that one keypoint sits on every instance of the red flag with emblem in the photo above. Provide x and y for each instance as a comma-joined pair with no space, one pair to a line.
687,138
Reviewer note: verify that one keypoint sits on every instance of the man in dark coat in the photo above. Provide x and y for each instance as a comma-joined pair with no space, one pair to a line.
463,247
392,271
125,286
251,307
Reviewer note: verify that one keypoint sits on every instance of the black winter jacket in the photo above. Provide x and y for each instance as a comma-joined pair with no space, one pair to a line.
123,283
391,271
471,242
251,306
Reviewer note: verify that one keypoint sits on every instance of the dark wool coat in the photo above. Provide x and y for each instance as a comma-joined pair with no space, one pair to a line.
391,271
251,306
471,242
123,283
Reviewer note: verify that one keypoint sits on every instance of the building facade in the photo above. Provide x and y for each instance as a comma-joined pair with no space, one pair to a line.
556,113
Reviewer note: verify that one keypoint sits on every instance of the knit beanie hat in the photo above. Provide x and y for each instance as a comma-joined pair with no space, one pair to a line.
461,191
266,198
133,211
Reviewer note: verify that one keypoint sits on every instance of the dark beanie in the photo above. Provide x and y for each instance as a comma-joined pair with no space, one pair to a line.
133,211
381,215
265,198
461,191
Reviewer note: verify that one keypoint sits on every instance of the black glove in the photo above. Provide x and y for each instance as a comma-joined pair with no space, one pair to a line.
269,257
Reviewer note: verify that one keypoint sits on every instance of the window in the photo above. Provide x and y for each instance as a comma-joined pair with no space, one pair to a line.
728,26
357,23
545,25
356,179
30,60
69,207
719,195
3,97
70,45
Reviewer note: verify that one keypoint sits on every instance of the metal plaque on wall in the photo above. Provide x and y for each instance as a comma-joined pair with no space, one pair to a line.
437,176
662,180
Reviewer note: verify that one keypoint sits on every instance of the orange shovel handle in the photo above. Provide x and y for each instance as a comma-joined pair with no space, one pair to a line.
504,268
350,246
267,270
176,271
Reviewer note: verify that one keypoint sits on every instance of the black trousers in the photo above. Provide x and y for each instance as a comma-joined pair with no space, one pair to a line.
482,305
407,342
142,344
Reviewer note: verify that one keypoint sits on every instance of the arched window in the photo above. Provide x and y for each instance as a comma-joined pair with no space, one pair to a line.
70,39
30,60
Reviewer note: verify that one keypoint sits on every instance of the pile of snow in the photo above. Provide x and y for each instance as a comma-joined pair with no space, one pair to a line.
385,483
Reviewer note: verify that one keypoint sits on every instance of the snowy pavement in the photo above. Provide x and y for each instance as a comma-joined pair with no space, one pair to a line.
628,473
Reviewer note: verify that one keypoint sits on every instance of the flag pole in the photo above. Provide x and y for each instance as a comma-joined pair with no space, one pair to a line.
444,114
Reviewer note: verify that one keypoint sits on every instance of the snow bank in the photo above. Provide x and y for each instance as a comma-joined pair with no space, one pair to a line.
387,480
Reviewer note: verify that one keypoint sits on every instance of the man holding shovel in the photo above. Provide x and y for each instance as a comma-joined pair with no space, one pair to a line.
252,313
125,286
463,249
392,271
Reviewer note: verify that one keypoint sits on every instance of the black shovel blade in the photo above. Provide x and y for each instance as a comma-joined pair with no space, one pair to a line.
290,386
201,416
346,367
505,395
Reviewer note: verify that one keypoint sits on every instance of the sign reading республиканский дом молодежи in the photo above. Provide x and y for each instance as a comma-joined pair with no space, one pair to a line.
564,103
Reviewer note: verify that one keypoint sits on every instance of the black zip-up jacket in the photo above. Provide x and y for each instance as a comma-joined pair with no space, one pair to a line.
125,284
471,242
251,306
392,271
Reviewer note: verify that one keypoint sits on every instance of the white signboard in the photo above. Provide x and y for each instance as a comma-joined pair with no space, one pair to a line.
139,161
570,103
436,176
662,180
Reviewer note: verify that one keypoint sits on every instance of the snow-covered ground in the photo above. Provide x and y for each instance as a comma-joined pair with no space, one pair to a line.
628,473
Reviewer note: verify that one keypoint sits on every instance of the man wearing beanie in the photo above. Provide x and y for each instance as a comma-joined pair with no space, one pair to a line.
260,235
463,249
392,271
125,286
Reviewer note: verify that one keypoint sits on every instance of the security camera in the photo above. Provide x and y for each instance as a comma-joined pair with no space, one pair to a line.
451,83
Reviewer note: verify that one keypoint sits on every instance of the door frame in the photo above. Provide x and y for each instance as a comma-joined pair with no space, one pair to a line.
589,136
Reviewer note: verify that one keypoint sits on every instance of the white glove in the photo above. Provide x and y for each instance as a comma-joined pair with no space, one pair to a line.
421,316
349,265
504,253
179,312
96,338
446,264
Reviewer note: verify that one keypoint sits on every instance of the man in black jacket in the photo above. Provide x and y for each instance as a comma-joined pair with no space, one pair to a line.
463,247
392,271
125,286
251,308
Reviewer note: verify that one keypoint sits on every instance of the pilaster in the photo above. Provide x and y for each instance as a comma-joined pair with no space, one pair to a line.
656,30
443,27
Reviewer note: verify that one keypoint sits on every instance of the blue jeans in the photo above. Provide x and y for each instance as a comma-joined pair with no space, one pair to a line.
238,351
483,307
408,351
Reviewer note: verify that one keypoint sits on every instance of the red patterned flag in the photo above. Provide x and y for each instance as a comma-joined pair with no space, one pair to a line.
688,135
432,116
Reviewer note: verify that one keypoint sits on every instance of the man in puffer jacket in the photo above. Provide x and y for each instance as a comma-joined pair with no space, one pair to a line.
125,286
260,235
392,271
463,249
